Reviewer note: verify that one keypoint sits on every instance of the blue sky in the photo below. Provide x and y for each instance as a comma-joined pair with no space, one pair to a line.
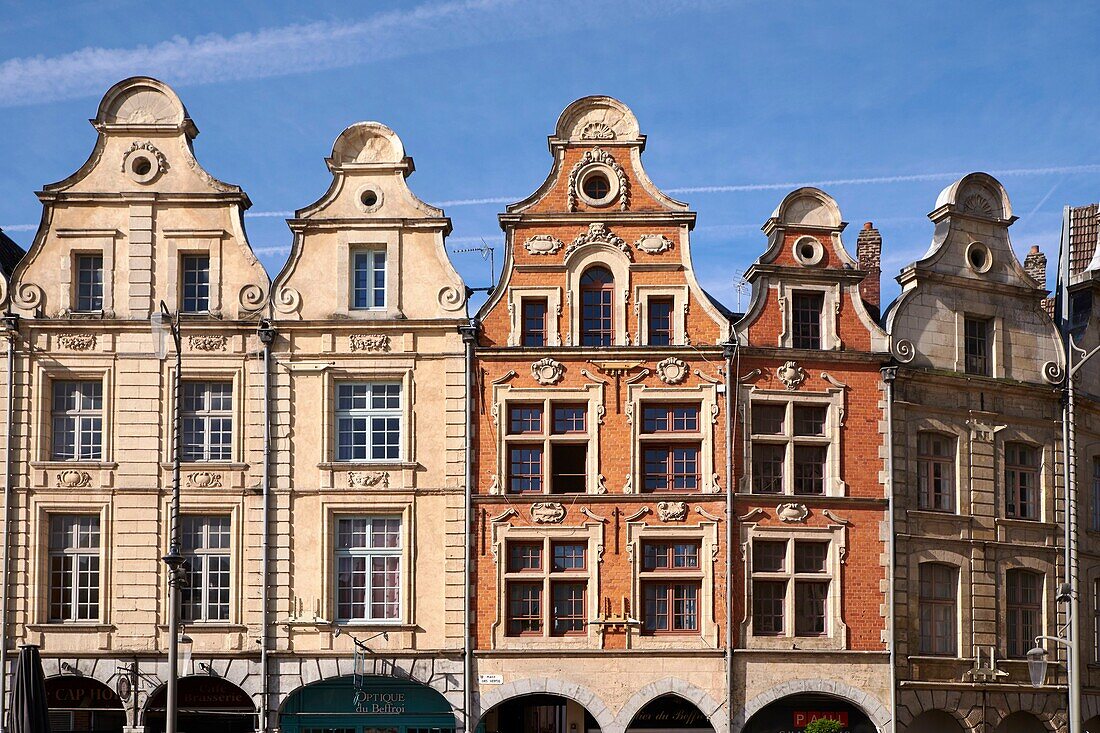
741,100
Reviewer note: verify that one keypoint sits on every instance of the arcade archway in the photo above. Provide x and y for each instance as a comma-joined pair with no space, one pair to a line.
935,721
83,704
376,703
206,703
795,712
1021,722
670,714
538,713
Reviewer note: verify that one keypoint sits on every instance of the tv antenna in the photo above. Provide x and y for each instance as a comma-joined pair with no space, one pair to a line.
741,286
486,251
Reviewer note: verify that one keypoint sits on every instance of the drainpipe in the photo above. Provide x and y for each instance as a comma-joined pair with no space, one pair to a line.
469,339
733,360
266,333
888,375
11,328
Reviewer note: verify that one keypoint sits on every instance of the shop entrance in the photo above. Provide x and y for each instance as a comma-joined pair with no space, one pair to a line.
376,705
793,713
538,714
670,714
206,705
83,704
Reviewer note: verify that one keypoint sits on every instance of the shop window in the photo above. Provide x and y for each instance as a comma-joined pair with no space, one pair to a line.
659,321
938,601
936,471
791,585
529,581
1021,481
77,421
368,569
205,597
790,448
196,283
368,421
1024,610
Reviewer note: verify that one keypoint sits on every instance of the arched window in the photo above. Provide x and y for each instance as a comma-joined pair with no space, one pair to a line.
939,588
1024,596
597,307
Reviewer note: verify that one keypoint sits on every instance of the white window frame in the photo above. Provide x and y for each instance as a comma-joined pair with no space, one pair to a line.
372,255
77,417
830,313
370,414
833,401
369,553
77,553
183,285
706,395
679,296
78,257
206,415
520,293
207,553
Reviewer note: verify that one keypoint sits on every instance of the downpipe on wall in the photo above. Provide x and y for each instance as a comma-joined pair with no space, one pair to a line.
266,333
888,375
469,340
733,361
11,331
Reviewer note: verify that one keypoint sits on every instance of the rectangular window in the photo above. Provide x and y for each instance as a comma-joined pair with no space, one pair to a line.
569,419
938,609
89,283
1023,617
368,421
196,283
207,416
659,321
206,548
369,279
568,468
525,469
790,448
806,320
670,418
1021,481
525,419
976,343
546,445
671,468
670,556
77,421
74,567
368,569
534,321
936,471
564,583
791,579
1094,525
670,607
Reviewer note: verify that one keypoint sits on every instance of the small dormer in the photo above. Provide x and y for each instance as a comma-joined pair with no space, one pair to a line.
807,283
369,249
141,222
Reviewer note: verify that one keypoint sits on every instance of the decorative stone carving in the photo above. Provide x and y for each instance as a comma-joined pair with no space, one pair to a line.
672,370
208,342
791,375
598,232
597,131
1052,373
251,296
450,298
976,203
368,479
792,512
28,295
204,480
77,341
653,244
369,342
672,511
547,512
72,479
157,163
543,244
547,371
905,351
598,155
287,300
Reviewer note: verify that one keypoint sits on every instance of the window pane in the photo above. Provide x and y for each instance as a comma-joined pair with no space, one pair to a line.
524,419
936,471
659,317
597,319
569,468
809,469
767,468
806,320
569,418
534,322
976,340
196,283
369,280
89,283
810,557
768,599
768,419
809,603
524,608
525,469
524,556
769,556
809,420
568,611
568,556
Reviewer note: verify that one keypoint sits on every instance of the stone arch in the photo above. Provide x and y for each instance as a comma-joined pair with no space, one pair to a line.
142,100
871,706
428,672
1023,721
367,142
808,206
978,194
597,119
713,709
484,702
940,721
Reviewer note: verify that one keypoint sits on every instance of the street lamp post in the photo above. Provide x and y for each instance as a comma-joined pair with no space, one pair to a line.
165,325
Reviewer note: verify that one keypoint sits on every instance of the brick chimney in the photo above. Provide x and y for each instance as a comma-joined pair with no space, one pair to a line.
869,255
1035,264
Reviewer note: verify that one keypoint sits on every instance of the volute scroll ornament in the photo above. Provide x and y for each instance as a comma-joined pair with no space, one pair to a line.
905,351
251,296
450,298
1053,373
287,300
791,375
547,371
547,512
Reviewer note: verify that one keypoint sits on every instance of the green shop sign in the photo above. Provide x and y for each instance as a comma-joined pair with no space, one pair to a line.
378,703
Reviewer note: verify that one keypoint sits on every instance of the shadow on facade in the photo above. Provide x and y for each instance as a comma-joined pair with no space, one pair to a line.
793,713
83,704
670,714
206,703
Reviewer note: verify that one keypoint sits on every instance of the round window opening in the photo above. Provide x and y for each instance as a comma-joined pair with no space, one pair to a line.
369,198
978,257
141,165
596,186
808,251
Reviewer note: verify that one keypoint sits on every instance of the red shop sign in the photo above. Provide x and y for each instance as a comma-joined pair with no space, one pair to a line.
802,718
